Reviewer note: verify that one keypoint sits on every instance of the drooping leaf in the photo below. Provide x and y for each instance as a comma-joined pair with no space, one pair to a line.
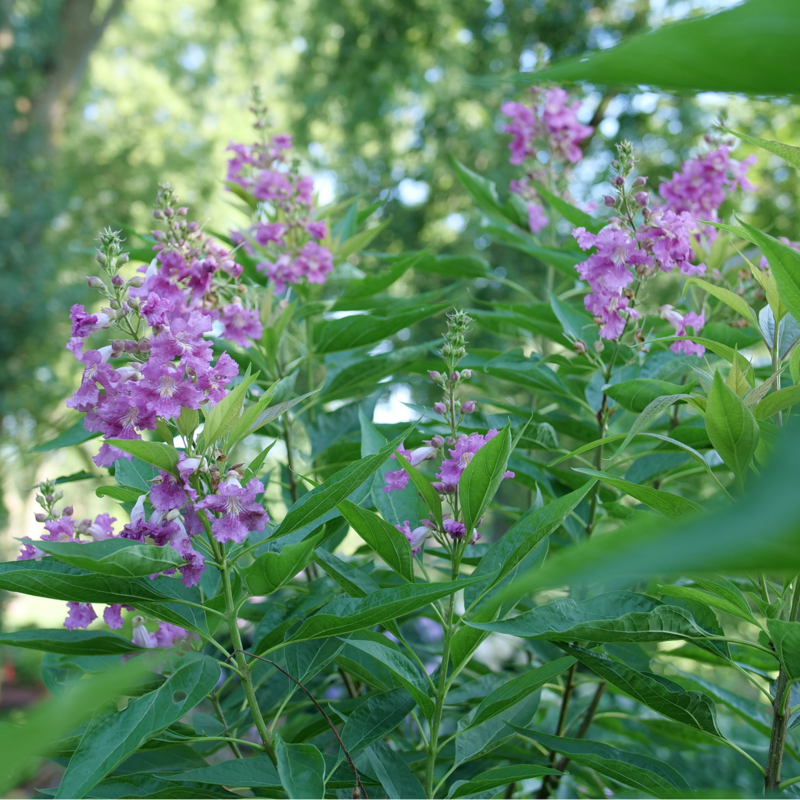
79,643
378,716
786,151
114,735
392,771
302,770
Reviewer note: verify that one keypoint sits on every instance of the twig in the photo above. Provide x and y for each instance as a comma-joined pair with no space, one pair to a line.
360,790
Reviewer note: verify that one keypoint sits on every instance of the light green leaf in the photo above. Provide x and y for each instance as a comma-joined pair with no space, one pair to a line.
361,240
75,434
670,505
570,213
423,485
481,479
163,456
354,581
726,296
786,638
225,414
388,542
271,570
786,151
777,401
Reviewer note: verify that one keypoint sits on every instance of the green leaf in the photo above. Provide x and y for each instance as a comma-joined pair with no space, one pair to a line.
510,693
135,474
639,772
301,768
638,394
49,578
114,735
388,542
574,215
375,718
321,499
401,666
305,659
453,266
78,643
481,479
750,48
272,570
786,638
483,191
256,771
562,260
247,421
355,582
777,401
786,151
577,323
346,615
122,493
784,263
719,603
670,505
225,414
22,744
726,296
359,241
374,284
75,434
498,776
611,617
392,771
424,487
667,698
122,558
163,456
521,539
731,427
360,330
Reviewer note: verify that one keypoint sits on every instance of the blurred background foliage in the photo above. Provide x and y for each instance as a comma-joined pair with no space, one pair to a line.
102,99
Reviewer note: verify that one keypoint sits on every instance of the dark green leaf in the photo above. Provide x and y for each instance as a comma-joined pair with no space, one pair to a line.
392,771
482,477
75,434
257,771
302,770
498,776
786,638
79,643
375,718
638,394
272,570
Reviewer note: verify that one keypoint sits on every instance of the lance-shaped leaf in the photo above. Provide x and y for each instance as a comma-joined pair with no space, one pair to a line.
225,414
392,771
122,558
257,771
271,570
424,487
388,542
726,296
642,773
401,666
670,505
346,615
301,768
786,151
354,581
72,643
510,693
731,427
75,434
777,401
114,735
481,479
611,617
375,718
499,776
163,456
321,499
636,395
786,638
522,538
656,692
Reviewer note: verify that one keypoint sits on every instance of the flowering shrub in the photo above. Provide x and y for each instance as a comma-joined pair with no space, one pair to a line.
320,620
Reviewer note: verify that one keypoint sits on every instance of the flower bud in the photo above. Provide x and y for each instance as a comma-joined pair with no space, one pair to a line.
610,202
439,408
642,198
580,347
454,377
599,346
136,282
437,441
618,180
40,517
468,407
67,512
639,182
95,282
434,375
118,281
466,374
183,211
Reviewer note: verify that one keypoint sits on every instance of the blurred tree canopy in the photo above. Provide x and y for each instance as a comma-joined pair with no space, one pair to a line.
101,100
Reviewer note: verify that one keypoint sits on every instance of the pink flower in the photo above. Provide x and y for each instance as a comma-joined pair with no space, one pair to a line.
315,262
460,456
81,615
102,527
415,537
680,323
668,237
164,391
398,480
84,325
239,512
269,232
184,340
112,616
241,324
536,218
214,380
523,129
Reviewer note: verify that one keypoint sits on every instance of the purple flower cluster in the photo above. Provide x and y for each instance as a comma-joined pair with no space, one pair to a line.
680,323
703,182
550,125
285,228
663,242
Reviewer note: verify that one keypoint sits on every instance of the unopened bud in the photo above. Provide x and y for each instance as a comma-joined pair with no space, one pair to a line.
580,347
67,512
642,198
610,201
193,226
118,281
95,282
40,517
618,180
434,375
159,236
183,211
466,374
439,408
169,212
136,281
454,377
158,214
639,182
599,346
173,514
468,407
437,441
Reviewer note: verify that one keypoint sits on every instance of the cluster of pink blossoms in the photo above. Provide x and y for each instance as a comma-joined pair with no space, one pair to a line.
552,125
285,228
190,288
